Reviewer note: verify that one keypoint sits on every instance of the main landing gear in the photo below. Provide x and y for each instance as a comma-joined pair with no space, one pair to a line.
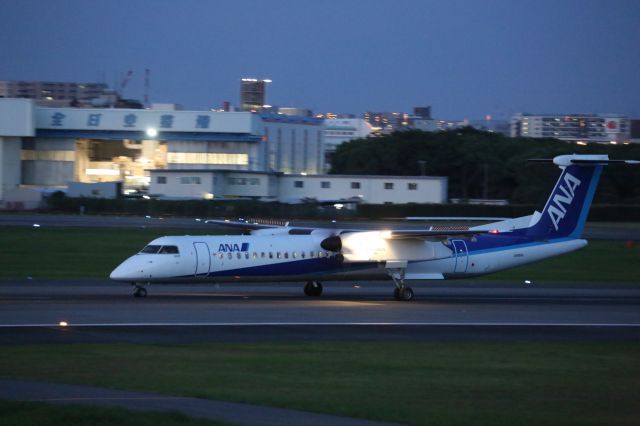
139,291
396,271
313,288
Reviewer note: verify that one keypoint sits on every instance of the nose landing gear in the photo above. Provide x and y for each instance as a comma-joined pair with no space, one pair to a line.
139,291
313,288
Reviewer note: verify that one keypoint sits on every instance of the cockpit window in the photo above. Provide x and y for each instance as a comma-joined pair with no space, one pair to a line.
169,250
150,249
153,249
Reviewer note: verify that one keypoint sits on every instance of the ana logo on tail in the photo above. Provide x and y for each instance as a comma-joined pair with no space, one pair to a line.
557,208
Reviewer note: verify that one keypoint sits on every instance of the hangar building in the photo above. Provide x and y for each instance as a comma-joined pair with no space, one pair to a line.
44,147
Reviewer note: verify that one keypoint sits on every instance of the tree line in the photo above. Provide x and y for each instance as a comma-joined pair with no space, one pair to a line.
482,164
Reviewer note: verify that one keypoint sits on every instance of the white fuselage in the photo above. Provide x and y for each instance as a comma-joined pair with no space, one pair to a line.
300,258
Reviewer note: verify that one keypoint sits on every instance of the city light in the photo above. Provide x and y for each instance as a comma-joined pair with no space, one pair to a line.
152,132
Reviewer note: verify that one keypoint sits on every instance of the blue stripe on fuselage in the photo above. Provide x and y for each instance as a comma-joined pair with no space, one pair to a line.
296,267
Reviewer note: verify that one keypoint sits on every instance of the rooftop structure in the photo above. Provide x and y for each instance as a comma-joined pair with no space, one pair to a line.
580,128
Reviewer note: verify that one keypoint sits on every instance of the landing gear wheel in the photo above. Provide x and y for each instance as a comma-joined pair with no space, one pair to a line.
313,288
396,293
140,292
406,294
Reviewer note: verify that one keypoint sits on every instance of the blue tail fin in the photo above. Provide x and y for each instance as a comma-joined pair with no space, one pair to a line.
566,210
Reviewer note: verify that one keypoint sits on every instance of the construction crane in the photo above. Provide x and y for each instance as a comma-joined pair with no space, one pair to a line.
125,81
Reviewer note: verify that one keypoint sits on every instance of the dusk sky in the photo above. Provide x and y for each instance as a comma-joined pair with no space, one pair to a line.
465,58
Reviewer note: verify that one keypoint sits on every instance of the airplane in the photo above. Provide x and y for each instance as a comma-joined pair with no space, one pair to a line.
280,252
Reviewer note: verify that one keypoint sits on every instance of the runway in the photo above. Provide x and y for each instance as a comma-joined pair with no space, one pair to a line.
102,311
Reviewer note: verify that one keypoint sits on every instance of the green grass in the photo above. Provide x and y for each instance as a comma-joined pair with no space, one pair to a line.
62,253
74,253
39,413
413,383
600,261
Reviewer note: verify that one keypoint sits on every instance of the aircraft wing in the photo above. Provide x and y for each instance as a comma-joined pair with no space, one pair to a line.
429,234
434,233
248,224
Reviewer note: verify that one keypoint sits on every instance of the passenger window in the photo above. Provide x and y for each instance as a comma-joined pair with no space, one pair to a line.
278,255
286,254
270,255
302,254
230,255
262,255
221,255
311,254
150,250
255,255
239,255
246,255
293,254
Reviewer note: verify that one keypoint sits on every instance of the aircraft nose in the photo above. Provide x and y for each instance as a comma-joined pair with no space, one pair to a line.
129,270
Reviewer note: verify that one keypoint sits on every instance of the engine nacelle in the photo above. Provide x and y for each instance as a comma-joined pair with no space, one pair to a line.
369,246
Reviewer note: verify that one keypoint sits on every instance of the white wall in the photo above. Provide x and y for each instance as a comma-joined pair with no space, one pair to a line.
286,149
372,188
17,117
10,170
175,189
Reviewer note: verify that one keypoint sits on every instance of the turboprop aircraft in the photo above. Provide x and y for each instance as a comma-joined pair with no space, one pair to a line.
284,253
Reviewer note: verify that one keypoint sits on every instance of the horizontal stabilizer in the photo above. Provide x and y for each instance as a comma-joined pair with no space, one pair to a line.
582,160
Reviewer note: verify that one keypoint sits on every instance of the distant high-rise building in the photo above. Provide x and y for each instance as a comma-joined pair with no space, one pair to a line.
581,128
387,121
253,94
48,93
422,112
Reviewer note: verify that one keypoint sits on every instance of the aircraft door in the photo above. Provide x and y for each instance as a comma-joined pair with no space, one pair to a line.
203,259
462,255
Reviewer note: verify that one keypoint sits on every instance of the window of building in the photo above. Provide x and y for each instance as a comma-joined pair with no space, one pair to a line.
325,184
355,185
207,158
298,184
411,186
190,180
388,185
161,179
